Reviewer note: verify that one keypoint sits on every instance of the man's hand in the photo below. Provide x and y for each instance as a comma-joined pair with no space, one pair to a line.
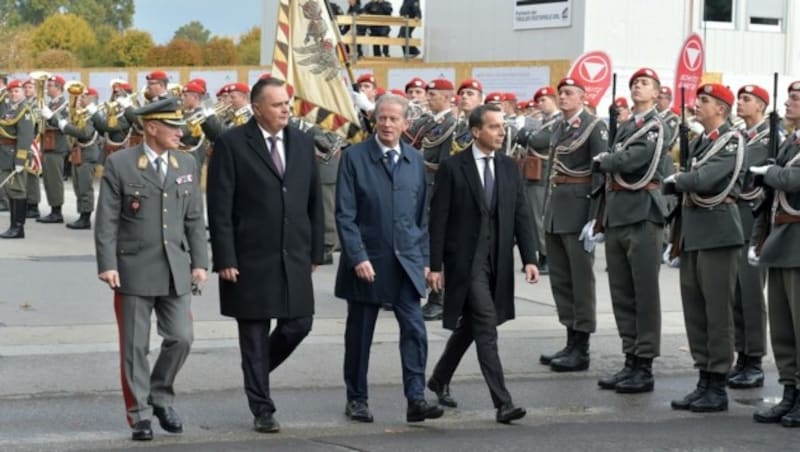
199,275
62,123
229,274
365,271
531,273
124,101
760,170
110,277
425,272
752,256
670,179
18,168
435,281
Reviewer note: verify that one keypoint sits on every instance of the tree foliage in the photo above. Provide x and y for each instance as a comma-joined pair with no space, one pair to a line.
56,58
64,32
178,52
249,47
17,53
193,31
116,13
129,48
220,52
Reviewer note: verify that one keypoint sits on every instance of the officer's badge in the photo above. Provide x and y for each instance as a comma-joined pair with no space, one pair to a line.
173,161
652,136
142,163
673,123
604,135
27,116
136,204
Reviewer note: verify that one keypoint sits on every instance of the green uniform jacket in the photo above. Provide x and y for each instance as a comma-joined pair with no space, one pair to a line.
87,140
62,143
756,153
719,226
636,148
16,123
539,144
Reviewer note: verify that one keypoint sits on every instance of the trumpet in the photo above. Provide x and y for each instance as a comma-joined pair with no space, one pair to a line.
40,79
199,117
77,116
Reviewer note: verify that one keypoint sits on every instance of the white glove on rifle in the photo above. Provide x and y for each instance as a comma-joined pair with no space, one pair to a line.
124,101
760,170
752,257
362,101
47,113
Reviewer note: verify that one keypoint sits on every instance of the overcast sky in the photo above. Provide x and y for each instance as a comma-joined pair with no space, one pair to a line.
162,17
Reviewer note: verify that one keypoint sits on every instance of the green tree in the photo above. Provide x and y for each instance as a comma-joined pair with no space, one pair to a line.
249,47
178,52
129,48
56,59
97,56
64,32
18,51
193,31
220,52
116,13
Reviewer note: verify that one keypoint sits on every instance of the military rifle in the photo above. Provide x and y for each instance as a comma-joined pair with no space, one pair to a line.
764,208
674,217
599,193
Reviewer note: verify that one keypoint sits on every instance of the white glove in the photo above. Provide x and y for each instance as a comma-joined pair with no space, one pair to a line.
752,257
208,112
599,157
47,113
91,109
696,127
670,179
124,101
19,168
362,101
675,263
665,257
760,170
589,238
62,123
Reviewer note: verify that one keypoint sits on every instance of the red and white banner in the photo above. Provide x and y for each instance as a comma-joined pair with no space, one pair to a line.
593,71
688,71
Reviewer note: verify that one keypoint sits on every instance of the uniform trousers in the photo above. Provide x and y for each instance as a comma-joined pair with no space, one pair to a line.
142,388
708,280
784,322
633,254
329,207
33,191
15,187
572,281
53,175
535,192
83,185
749,309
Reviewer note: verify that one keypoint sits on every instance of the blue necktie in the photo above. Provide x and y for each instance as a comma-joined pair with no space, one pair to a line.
390,160
488,182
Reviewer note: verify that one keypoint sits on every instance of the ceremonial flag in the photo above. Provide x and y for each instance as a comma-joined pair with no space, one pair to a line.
36,161
308,56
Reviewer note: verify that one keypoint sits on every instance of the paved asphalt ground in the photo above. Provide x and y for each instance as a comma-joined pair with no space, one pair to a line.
59,380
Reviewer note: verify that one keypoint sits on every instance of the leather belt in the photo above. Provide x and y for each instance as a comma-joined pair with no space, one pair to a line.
653,185
687,201
564,179
785,218
7,142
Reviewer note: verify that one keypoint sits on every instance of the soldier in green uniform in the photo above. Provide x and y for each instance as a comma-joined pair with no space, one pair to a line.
111,122
16,136
84,155
33,189
634,220
779,255
749,308
709,261
55,147
575,140
3,105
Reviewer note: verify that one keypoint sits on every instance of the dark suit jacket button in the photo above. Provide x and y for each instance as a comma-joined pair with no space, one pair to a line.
284,189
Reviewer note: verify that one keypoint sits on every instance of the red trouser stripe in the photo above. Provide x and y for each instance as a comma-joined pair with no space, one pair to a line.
127,394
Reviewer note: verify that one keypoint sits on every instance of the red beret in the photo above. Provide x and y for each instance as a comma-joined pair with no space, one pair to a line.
238,86
415,82
380,91
621,102
493,97
794,86
755,90
398,92
222,90
509,97
441,84
544,91
666,90
57,79
643,72
200,82
157,75
125,86
194,87
531,104
91,92
717,91
470,83
523,104
570,82
366,78
14,84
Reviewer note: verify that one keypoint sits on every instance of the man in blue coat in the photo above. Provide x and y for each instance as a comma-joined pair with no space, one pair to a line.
380,216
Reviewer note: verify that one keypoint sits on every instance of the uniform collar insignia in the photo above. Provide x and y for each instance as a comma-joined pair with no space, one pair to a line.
143,163
173,161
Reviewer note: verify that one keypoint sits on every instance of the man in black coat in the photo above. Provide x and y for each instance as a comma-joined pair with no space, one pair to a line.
477,212
266,221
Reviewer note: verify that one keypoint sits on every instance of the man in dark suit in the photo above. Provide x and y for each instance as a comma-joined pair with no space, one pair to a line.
478,210
266,222
151,246
380,216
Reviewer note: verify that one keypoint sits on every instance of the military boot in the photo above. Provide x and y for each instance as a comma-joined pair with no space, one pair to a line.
741,358
715,398
83,222
774,413
610,382
546,358
792,418
33,211
641,380
577,358
54,216
702,386
751,375
17,228
433,308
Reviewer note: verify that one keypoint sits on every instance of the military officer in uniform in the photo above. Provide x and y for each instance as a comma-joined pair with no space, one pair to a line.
16,136
55,147
709,261
33,189
84,156
240,103
634,220
415,91
576,139
778,237
749,307
151,246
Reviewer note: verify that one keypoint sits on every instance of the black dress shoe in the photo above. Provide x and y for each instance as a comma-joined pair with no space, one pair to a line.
442,393
773,414
53,217
508,413
168,419
419,410
358,411
266,423
84,222
142,431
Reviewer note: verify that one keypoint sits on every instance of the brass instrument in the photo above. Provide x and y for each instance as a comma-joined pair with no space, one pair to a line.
221,109
77,115
416,110
40,80
175,88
